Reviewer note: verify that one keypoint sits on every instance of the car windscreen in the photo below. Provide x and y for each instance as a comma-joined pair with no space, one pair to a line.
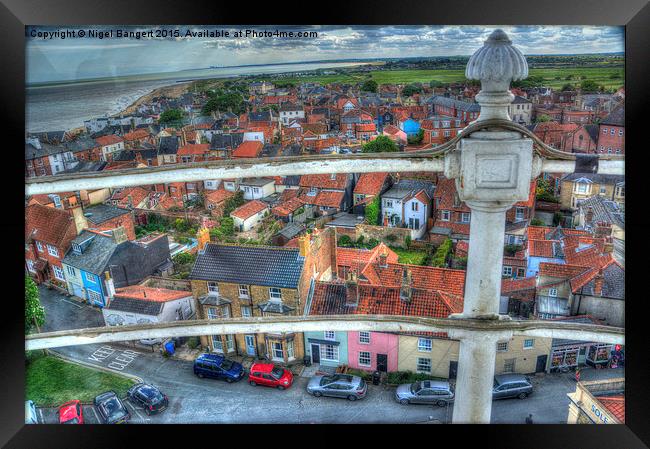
151,393
226,364
113,409
277,372
326,380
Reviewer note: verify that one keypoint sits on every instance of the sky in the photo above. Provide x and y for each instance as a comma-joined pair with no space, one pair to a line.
58,59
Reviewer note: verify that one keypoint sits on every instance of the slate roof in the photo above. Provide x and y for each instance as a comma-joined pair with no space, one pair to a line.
31,152
133,305
102,213
613,282
168,145
96,254
616,117
594,177
604,210
409,187
451,103
275,307
252,265
220,141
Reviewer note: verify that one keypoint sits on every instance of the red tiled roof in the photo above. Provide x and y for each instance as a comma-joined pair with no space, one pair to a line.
48,224
456,228
541,248
288,207
391,130
249,209
108,140
615,405
365,127
136,135
370,183
218,196
325,198
514,261
168,202
193,148
250,148
446,192
150,293
137,194
557,270
530,202
359,258
325,181
515,285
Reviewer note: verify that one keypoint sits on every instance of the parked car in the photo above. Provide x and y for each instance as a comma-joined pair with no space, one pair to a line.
425,392
218,367
71,413
111,409
511,386
270,375
149,397
338,386
30,413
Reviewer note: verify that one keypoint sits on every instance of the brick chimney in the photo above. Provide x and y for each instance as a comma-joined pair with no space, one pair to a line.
589,215
406,290
608,246
303,244
598,283
383,259
203,238
603,229
351,289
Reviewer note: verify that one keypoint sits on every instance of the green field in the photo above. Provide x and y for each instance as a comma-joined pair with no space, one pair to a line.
601,75
51,381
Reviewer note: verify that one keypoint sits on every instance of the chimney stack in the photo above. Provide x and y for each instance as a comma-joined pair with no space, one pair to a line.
303,244
351,289
598,283
119,235
589,215
383,259
603,229
608,247
203,237
406,291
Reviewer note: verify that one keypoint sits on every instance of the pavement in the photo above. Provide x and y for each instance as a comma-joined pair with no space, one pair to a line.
194,400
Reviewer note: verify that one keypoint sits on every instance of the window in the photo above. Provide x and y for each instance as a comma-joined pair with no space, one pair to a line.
277,352
447,133
509,366
243,291
364,338
90,277
30,266
290,355
330,335
230,343
507,271
612,132
94,297
275,294
52,251
213,288
529,343
329,352
520,213
246,311
620,132
604,130
213,313
521,272
364,358
424,344
502,346
603,189
71,270
423,365
217,344
414,206
444,215
58,272
582,187
388,203
464,217
552,292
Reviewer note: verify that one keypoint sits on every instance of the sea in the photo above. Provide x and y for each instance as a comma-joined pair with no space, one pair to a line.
65,105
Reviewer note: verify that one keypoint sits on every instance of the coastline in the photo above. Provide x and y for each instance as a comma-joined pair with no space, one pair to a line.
174,90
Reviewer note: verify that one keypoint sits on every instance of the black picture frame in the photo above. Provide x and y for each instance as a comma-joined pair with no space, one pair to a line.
633,14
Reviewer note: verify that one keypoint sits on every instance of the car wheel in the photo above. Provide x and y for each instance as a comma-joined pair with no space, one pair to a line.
253,383
280,387
318,394
200,375
404,401
229,380
352,398
522,395
441,403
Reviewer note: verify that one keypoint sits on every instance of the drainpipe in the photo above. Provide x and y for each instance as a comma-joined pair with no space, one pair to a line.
492,170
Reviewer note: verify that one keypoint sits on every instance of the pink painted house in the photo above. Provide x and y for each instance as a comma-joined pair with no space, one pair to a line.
371,351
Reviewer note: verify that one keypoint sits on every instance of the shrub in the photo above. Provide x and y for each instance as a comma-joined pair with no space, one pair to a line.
407,242
360,240
391,238
511,249
365,375
439,258
372,211
345,240
536,222
372,243
193,342
403,377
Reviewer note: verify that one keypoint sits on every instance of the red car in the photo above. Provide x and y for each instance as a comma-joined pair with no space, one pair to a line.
71,413
270,375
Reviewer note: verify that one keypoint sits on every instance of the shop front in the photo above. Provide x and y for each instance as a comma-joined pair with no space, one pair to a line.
598,355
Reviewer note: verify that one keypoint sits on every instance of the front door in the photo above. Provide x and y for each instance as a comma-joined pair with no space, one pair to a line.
315,353
382,363
453,369
250,344
541,363
77,290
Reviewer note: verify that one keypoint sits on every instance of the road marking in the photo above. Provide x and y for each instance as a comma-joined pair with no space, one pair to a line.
92,407
100,354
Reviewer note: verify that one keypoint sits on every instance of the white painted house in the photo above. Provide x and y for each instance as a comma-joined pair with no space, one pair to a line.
139,305
290,112
249,215
408,205
257,188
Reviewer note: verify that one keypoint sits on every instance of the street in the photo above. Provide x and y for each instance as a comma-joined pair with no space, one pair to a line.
194,400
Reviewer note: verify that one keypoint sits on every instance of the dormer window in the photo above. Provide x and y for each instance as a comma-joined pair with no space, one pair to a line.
213,288
275,294
76,248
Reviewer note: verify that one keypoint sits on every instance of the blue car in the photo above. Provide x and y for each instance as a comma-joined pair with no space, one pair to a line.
218,367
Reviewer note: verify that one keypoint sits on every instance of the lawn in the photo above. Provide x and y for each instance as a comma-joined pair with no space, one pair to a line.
51,381
411,257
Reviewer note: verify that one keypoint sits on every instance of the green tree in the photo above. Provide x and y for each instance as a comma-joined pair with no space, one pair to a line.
543,118
411,89
171,115
232,102
380,145
536,222
34,311
234,202
372,211
567,87
439,258
417,139
589,86
369,86
435,83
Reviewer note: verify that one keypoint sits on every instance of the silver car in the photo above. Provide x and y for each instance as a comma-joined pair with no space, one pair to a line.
511,386
30,413
425,392
338,386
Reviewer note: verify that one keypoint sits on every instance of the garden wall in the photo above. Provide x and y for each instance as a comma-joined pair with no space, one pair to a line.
382,234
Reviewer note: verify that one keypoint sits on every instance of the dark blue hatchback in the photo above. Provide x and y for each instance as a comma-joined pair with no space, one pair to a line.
218,367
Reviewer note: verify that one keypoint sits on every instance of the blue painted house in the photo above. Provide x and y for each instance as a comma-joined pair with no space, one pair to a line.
410,127
94,258
327,348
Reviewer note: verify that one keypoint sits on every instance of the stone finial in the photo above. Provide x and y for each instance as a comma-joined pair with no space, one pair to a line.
496,64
